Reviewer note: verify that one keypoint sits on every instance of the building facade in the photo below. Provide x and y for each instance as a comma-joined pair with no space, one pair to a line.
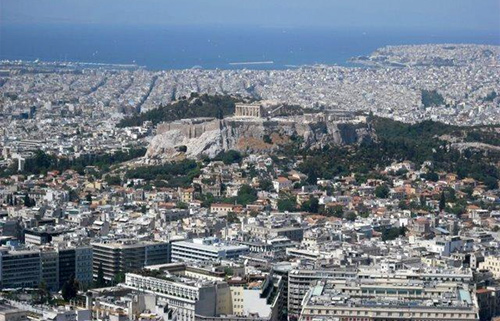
358,300
491,263
204,250
120,257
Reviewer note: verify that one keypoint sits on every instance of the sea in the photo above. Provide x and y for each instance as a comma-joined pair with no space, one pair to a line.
211,47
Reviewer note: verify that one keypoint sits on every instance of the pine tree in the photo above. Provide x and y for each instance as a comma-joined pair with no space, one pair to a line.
44,292
100,282
28,202
70,289
442,202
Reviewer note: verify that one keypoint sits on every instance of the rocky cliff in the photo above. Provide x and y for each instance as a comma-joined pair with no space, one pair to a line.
193,138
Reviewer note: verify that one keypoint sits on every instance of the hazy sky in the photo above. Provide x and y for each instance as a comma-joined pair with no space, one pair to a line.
481,15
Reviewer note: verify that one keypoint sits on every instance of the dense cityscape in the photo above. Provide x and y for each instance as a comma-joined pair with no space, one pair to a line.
318,193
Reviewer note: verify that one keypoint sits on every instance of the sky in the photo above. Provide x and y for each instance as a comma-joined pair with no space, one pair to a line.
446,15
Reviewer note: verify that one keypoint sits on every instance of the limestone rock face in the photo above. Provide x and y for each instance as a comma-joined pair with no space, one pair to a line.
193,138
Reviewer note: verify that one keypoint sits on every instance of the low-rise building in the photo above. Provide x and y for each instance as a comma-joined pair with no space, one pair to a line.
206,249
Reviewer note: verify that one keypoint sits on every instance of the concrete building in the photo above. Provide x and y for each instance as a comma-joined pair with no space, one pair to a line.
49,259
206,249
188,297
257,296
19,268
222,208
83,265
491,263
389,300
67,314
9,313
264,232
301,280
488,300
28,268
66,265
124,256
41,235
196,292
282,183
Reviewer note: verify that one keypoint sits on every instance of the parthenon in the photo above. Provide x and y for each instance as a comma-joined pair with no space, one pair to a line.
248,110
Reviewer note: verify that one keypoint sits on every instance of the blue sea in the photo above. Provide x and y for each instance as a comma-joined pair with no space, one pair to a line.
210,47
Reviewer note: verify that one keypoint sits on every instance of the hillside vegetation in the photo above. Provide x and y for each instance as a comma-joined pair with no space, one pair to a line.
196,106
398,142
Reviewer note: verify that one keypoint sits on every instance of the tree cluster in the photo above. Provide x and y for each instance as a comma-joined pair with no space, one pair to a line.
431,98
174,173
42,162
204,105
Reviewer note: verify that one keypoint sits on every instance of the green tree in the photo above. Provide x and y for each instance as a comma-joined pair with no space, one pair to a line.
204,106
70,289
311,205
351,216
402,230
382,191
100,281
232,218
266,185
431,176
287,204
44,293
230,157
119,278
431,98
246,195
113,180
28,202
336,211
391,233
228,271
182,205
442,202
207,200
73,196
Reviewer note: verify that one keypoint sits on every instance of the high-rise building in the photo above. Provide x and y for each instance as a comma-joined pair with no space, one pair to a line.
75,261
66,265
83,265
49,259
125,256
19,268
29,268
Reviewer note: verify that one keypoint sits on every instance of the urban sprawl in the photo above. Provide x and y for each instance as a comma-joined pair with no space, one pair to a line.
313,194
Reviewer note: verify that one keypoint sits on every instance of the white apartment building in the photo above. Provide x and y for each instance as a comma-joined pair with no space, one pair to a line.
491,263
186,296
205,250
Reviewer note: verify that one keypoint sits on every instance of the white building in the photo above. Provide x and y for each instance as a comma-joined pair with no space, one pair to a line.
188,297
206,249
491,263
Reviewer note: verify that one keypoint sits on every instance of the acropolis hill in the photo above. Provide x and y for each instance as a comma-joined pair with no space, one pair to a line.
254,129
